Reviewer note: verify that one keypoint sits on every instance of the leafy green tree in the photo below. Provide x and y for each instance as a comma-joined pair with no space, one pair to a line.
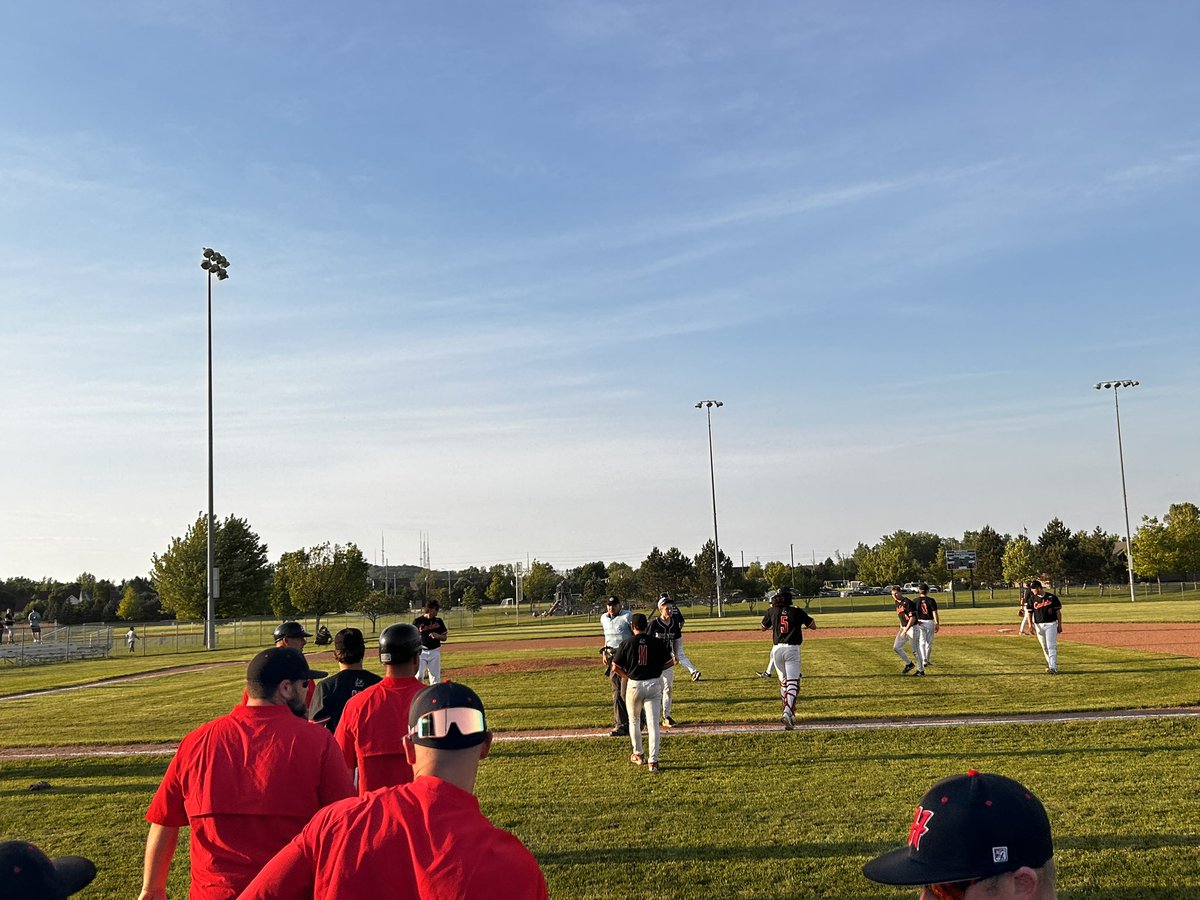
939,569
1055,547
180,573
281,594
989,557
590,581
379,603
501,585
1183,529
754,582
670,571
1154,553
540,582
622,580
778,574
325,578
131,606
472,599
702,578
1018,560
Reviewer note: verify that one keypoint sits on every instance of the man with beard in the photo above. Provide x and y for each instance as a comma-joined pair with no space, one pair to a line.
246,783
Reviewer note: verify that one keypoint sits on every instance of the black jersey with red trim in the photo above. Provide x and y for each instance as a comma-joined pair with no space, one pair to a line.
926,607
643,657
906,609
433,631
1044,608
786,624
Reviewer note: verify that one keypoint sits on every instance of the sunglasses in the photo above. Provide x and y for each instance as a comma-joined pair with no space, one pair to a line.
951,890
436,723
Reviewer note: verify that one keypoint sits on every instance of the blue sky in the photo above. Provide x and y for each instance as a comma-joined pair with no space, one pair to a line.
486,257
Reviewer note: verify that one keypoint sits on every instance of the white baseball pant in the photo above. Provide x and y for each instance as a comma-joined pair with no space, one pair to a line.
645,695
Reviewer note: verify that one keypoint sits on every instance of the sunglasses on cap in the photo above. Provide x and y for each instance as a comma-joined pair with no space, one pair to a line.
951,890
436,723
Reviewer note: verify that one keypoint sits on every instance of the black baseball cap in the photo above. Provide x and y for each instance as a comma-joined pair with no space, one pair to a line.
275,665
612,601
969,826
447,716
26,873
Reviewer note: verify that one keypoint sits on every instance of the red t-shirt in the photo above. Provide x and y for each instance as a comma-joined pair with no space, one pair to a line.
427,839
246,783
372,731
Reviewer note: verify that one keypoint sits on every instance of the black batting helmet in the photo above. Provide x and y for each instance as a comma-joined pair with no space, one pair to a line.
291,630
399,643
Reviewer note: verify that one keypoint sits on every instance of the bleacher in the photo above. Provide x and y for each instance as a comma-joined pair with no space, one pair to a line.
58,645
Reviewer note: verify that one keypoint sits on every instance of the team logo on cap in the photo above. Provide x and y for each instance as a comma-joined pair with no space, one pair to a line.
999,854
920,827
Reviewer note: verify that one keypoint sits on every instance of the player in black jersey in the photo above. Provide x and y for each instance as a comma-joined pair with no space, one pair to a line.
1045,610
906,611
331,695
787,624
641,660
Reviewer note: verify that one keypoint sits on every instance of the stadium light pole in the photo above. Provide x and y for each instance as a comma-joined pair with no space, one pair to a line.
1116,386
707,406
214,264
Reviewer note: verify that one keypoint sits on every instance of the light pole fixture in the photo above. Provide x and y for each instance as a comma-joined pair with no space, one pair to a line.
1116,386
214,264
707,406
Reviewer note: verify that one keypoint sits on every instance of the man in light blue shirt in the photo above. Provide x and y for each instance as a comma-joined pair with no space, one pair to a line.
617,630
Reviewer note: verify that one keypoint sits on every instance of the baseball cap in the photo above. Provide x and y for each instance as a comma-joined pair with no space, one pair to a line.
612,601
26,873
447,716
275,665
664,600
969,826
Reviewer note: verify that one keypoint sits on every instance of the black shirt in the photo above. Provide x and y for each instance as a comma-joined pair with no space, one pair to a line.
905,609
926,607
643,657
331,695
433,631
786,624
669,630
1044,608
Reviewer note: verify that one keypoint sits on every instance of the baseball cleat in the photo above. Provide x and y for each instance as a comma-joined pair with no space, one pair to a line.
669,722
652,769
920,673
789,721
696,675
1052,671
636,758
763,674
619,732
908,667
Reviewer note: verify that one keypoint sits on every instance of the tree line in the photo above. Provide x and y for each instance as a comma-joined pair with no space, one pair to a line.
334,578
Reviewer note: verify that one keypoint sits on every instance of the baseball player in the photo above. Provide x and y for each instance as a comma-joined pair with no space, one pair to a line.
425,839
666,628
681,658
927,625
8,626
617,630
906,611
433,632
786,624
245,783
334,692
1045,611
641,660
293,636
374,721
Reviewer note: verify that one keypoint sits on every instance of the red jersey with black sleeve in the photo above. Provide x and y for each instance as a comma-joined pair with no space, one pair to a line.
427,839
643,657
246,783
906,610
787,624
371,733
1044,608
925,608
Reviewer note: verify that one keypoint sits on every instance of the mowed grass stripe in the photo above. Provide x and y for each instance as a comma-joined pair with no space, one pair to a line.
749,815
845,679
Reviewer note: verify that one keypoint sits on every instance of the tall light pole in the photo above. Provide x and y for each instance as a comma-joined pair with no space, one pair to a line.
708,405
1116,387
214,264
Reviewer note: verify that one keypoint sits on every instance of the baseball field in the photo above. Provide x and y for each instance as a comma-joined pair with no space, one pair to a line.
741,808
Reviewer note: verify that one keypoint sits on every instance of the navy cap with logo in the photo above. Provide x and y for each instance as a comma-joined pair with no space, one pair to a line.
969,826
26,873
447,716
275,665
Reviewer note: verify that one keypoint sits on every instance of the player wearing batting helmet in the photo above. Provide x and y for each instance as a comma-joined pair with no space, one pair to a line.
374,722
292,635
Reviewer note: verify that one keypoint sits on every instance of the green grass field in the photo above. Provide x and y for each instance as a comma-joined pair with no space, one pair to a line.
764,814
